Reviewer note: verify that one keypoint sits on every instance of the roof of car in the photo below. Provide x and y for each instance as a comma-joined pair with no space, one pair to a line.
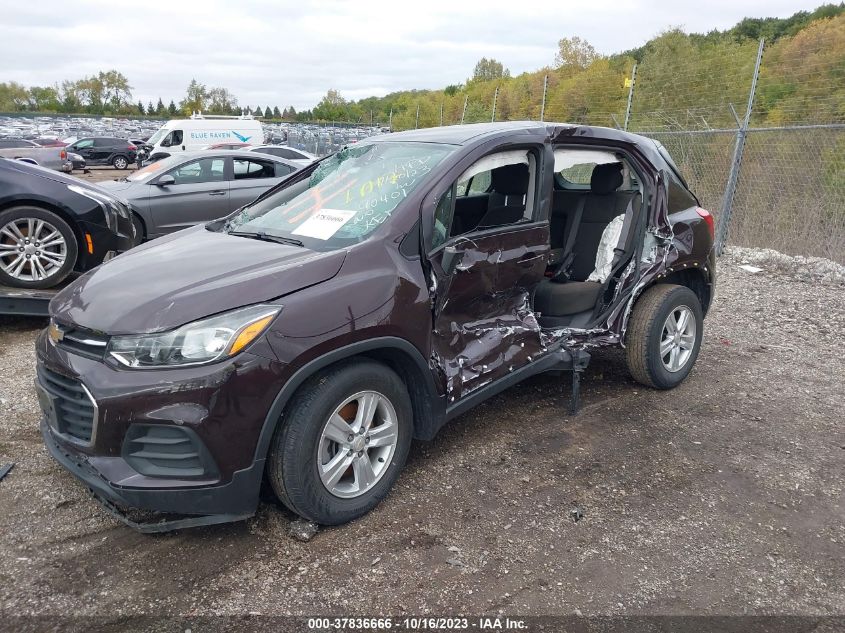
478,132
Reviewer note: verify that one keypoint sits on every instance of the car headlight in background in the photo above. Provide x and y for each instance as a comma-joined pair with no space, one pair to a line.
110,206
202,341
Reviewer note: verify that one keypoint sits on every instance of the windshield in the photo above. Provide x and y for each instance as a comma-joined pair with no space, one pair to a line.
347,196
155,138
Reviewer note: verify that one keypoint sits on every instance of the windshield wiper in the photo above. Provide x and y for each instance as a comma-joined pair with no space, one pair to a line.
266,237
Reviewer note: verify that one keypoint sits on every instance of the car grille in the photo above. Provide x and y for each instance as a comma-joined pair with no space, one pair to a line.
75,410
81,341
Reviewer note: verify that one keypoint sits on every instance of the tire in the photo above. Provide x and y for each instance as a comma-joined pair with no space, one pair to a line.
120,162
56,261
299,444
138,223
650,329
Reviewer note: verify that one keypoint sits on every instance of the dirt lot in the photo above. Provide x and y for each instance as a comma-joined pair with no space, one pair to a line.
99,174
724,496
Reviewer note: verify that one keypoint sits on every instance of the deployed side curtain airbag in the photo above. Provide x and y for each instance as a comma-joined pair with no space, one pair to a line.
607,247
489,163
568,157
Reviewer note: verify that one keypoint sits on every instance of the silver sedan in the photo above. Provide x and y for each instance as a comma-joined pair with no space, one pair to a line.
194,187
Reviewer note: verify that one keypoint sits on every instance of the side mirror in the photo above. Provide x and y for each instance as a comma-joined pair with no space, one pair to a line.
165,180
451,258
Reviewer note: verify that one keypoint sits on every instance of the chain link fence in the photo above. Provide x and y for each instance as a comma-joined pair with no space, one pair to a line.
778,185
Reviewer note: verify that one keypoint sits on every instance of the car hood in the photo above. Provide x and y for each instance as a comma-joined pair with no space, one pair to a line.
186,276
116,185
50,174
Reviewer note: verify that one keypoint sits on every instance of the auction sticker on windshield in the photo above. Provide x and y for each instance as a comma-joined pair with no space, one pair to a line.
323,224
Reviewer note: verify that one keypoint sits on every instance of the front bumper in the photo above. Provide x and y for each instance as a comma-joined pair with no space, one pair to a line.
228,502
104,241
223,407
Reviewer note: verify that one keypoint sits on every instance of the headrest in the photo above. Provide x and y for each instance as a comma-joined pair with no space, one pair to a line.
606,178
510,180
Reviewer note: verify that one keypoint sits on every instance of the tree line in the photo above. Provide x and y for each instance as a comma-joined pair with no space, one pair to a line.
109,93
679,73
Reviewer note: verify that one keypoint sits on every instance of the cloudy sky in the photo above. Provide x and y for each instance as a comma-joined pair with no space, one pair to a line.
289,53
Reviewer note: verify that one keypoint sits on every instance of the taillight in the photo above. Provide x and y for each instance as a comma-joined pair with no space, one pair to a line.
707,217
131,148
63,155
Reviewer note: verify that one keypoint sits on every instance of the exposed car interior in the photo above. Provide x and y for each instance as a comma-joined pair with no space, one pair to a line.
595,211
592,234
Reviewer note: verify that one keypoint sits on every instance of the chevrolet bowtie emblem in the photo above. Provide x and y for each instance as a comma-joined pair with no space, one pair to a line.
55,333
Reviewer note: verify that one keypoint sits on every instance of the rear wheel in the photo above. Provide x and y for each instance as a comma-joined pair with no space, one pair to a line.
664,335
120,162
37,248
342,442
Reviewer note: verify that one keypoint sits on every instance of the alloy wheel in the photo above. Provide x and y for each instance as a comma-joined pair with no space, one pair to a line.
677,339
31,249
357,444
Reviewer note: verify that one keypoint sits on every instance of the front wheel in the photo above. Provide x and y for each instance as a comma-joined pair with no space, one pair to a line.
664,335
342,442
37,248
120,162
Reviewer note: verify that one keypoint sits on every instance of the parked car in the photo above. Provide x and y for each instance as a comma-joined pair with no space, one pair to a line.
76,161
105,150
365,301
52,225
282,151
34,154
194,187
49,142
227,146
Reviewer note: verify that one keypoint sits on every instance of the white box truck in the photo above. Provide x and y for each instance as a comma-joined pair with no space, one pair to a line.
187,135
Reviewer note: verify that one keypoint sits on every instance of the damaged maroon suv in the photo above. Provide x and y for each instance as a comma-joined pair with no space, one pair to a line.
367,300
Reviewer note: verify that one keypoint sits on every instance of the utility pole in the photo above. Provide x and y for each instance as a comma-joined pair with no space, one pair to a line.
464,113
495,99
543,105
630,97
441,114
390,120
417,122
741,133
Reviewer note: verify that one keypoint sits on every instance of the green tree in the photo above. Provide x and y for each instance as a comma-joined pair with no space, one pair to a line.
160,109
332,107
44,99
14,97
150,109
141,109
220,101
575,53
268,113
171,109
489,69
196,97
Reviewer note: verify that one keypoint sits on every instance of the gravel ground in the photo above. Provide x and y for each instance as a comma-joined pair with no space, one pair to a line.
723,496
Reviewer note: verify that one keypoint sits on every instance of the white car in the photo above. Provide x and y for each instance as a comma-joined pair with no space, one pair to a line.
298,156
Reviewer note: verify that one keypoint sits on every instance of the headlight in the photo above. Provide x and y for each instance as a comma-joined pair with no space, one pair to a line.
202,341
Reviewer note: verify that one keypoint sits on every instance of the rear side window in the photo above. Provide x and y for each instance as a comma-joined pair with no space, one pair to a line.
88,142
248,168
103,142
680,198
282,169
